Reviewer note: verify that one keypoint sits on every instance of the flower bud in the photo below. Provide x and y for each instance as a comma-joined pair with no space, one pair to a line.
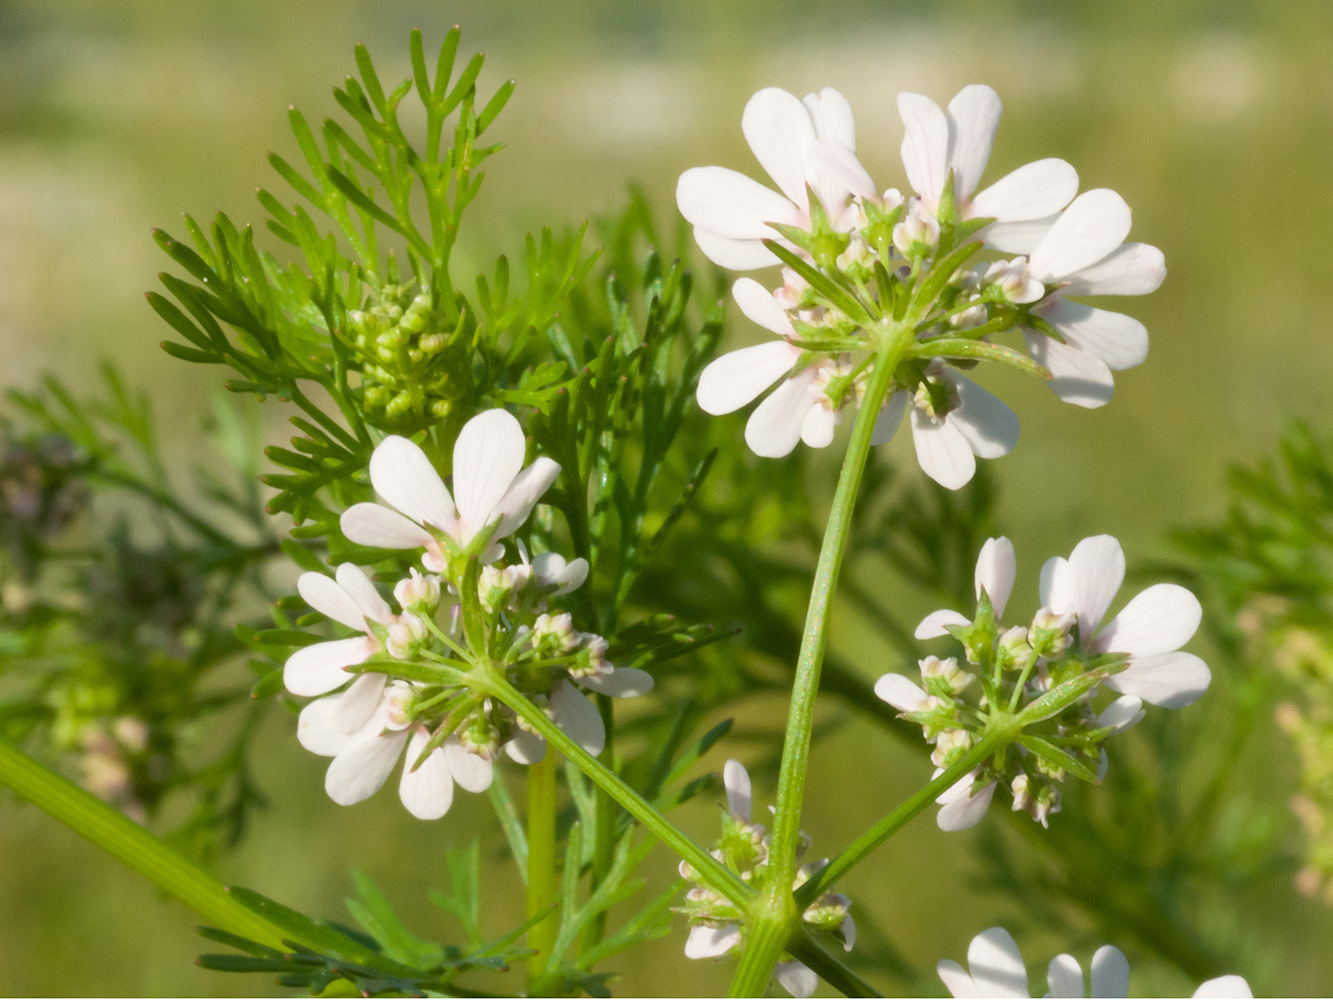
591,659
951,744
418,591
404,635
1010,278
1050,633
918,232
554,634
947,673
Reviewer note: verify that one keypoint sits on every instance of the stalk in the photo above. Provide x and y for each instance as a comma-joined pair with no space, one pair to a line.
542,887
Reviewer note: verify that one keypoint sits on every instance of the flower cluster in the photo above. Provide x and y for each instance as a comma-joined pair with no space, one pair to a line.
859,263
1042,677
479,623
716,924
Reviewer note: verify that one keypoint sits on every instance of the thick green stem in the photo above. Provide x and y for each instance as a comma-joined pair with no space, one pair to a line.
765,941
543,889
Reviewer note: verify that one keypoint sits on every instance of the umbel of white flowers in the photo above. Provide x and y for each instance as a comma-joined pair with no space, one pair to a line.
996,969
452,735
715,922
854,254
1065,643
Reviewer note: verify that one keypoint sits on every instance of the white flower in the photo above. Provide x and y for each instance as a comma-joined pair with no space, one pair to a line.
352,600
1151,628
731,212
996,969
962,807
1084,253
577,716
490,484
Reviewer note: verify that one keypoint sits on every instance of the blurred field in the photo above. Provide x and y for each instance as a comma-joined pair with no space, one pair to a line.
1214,119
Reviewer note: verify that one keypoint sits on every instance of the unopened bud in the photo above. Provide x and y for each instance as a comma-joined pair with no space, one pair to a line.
1050,632
947,672
951,744
418,591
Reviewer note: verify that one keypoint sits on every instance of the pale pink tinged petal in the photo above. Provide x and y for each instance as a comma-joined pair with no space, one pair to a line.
578,717
1133,269
352,578
428,791
1032,193
376,526
711,942
775,426
526,747
991,428
932,626
818,427
1064,977
796,978
847,929
778,128
1096,570
836,162
1078,377
1119,340
317,729
354,707
899,692
925,145
528,487
550,567
942,450
736,780
363,766
1056,588
973,116
737,378
623,682
759,306
487,457
403,475
996,964
996,568
1171,680
1110,972
1124,712
733,254
832,116
473,774
890,418
1094,224
318,669
728,203
966,811
331,600
956,980
1225,986
1016,237
1159,620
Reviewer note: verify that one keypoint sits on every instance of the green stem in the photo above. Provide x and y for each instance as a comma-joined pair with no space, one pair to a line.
765,941
829,969
121,837
604,836
542,887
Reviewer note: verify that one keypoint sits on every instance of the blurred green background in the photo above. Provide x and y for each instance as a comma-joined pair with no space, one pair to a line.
1214,118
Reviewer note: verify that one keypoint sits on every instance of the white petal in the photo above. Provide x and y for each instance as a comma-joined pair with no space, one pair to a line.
996,569
528,487
839,165
403,475
371,524
1103,764
1078,377
847,929
831,114
899,692
991,428
1133,269
759,306
1056,588
711,942
964,811
925,145
819,426
363,766
778,128
1094,224
736,378
526,747
352,578
736,780
1064,977
1016,237
735,254
318,669
428,791
996,964
889,418
472,773
1122,713
956,980
1110,972
973,116
1172,680
551,568
728,203
623,682
487,457
932,626
1096,569
578,717
354,707
317,730
796,978
942,450
331,600
1032,193
1119,340
1159,620
775,426
1225,986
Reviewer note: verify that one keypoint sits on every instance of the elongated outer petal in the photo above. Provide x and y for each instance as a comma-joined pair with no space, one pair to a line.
796,978
1093,225
354,707
899,692
831,115
991,428
819,426
623,682
734,254
779,130
1122,713
1056,587
1078,377
472,773
847,929
364,765
428,791
973,116
1225,986
736,378
890,417
528,487
728,203
487,457
1014,237
956,980
933,625
1171,680
711,942
1064,977
577,716
736,780
352,578
1133,269
942,450
837,164
382,528
925,146
996,964
403,475
526,747
1119,340
1096,569
1110,972
331,600
996,568
961,811
1159,620
317,729
775,425
551,568
1032,193
318,669
759,306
